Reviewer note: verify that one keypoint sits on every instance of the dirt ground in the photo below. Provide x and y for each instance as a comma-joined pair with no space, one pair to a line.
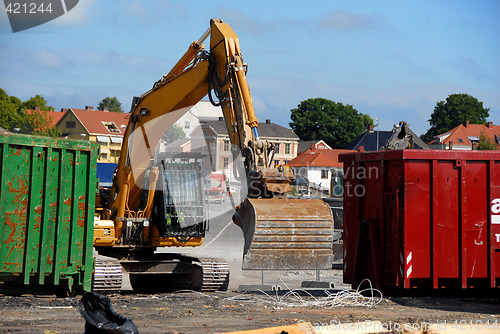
191,312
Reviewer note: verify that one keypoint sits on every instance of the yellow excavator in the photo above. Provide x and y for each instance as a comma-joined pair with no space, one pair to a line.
142,211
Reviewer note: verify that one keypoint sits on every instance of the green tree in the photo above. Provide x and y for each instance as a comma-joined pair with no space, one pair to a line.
110,103
174,133
485,143
457,109
36,101
14,115
39,123
9,110
335,123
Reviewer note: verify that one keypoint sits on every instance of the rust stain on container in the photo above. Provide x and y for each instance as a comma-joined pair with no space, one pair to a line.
16,151
20,190
38,218
38,222
81,214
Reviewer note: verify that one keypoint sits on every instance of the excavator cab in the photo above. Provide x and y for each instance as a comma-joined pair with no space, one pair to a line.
181,208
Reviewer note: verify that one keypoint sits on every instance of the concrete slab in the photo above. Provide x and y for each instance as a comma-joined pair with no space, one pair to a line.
317,285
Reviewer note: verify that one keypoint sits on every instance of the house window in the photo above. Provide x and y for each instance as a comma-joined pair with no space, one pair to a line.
115,153
187,125
70,124
324,173
226,145
277,148
111,126
276,162
225,163
104,156
460,140
287,148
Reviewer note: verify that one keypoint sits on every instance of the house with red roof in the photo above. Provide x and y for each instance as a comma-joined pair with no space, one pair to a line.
317,164
54,116
104,127
466,136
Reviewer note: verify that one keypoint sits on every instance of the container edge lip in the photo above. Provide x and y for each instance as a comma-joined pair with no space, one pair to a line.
52,142
415,154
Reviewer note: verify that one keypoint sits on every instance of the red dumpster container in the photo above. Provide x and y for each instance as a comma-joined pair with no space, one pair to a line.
422,218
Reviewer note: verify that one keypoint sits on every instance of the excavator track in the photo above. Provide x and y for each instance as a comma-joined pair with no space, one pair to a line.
215,274
169,272
107,276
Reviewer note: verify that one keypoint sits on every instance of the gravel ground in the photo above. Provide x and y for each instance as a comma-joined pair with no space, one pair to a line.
191,312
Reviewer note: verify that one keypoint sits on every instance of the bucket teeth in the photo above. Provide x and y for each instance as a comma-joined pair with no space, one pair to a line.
286,234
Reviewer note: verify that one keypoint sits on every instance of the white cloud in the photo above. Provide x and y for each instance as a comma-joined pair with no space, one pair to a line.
251,25
341,20
44,58
151,11
242,21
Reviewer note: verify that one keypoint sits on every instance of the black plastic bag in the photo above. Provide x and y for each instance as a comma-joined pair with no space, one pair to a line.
100,318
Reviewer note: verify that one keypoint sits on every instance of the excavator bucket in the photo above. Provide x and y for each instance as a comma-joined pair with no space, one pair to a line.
286,234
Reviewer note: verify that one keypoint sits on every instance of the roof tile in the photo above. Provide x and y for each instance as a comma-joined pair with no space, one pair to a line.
55,115
471,130
318,158
93,120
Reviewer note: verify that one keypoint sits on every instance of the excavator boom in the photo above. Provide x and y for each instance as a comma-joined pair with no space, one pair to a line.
279,233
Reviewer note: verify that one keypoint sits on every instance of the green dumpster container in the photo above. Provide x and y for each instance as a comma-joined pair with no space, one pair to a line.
47,199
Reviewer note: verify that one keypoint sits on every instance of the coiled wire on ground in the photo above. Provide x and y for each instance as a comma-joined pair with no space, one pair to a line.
366,297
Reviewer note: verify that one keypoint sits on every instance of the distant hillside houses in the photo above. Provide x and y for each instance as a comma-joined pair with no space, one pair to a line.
466,136
317,164
213,137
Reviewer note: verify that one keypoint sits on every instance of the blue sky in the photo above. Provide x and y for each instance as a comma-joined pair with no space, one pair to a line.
391,59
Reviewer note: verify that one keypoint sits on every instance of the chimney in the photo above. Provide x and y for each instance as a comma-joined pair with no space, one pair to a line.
313,147
371,129
37,108
490,125
467,123
361,149
89,108
105,109
268,121
450,145
64,109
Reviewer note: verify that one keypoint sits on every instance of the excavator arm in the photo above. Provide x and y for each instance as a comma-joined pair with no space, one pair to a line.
297,236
